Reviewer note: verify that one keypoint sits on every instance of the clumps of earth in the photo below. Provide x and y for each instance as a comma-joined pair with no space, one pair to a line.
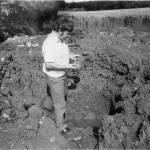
108,98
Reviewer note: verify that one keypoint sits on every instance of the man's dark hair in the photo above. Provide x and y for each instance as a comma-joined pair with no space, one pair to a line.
63,24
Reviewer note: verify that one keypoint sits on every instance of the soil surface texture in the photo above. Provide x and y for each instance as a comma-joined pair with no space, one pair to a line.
108,101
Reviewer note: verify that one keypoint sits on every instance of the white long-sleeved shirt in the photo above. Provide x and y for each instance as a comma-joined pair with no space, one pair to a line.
55,51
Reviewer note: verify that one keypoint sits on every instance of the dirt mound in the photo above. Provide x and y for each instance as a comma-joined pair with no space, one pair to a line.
114,83
23,91
112,87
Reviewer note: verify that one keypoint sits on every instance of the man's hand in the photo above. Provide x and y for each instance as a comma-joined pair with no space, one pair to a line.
74,66
77,65
73,56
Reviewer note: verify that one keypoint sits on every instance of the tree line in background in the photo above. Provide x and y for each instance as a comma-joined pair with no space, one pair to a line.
25,17
102,5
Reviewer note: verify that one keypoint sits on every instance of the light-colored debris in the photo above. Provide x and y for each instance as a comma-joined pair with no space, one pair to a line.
2,59
29,44
6,116
20,45
52,139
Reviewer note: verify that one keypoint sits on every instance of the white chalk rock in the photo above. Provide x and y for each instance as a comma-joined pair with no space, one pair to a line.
2,59
29,44
5,116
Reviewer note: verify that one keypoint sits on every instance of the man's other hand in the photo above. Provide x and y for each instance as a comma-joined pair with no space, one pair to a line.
73,56
77,65
74,66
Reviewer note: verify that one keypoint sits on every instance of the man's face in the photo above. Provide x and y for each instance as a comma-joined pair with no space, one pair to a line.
63,35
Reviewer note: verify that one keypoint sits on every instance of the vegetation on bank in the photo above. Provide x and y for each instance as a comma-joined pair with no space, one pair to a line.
20,17
103,5
138,19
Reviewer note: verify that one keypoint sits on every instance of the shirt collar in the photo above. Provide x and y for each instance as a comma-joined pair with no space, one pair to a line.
54,36
58,41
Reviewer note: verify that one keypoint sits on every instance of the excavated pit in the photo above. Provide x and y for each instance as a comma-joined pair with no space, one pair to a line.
108,98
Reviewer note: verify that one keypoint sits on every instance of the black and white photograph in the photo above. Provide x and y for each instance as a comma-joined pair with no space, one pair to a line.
74,74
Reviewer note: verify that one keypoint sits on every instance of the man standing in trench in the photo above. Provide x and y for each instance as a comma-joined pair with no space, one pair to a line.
56,60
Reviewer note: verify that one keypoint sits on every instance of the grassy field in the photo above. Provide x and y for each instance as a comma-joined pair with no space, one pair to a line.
135,18
108,13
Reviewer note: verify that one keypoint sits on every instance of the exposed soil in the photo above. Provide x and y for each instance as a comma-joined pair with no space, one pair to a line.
110,93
